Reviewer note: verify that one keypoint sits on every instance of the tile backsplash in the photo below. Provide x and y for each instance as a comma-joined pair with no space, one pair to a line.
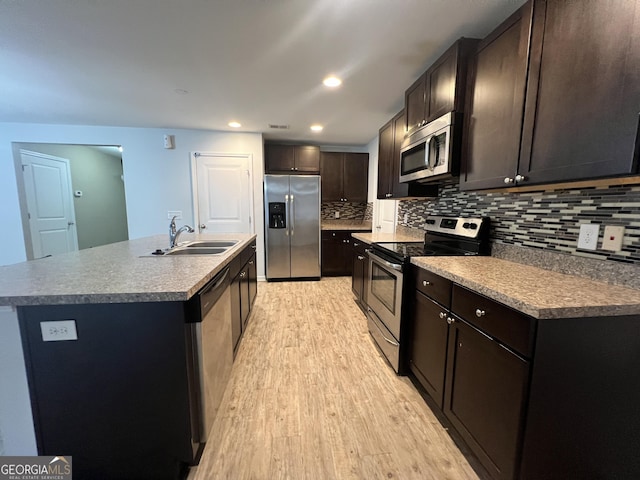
547,220
347,210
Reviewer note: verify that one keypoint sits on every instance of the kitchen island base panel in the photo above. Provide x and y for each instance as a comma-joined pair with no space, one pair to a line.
116,398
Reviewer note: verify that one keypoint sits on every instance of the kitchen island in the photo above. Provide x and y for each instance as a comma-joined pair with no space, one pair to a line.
125,368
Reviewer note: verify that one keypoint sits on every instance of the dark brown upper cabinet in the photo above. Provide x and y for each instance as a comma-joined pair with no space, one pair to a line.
441,88
574,116
345,176
495,104
292,159
389,186
583,92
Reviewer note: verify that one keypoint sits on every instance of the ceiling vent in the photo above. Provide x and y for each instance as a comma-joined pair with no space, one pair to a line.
278,127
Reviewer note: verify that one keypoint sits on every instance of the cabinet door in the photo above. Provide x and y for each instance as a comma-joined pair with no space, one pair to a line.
485,394
583,93
357,275
398,190
331,173
428,356
442,85
279,158
385,160
356,177
307,159
253,280
414,104
447,79
245,305
337,254
236,311
495,104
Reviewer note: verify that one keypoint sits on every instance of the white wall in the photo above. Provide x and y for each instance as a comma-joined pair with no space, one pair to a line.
156,179
17,436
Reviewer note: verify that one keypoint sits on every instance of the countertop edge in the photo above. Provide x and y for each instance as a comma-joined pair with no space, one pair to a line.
128,297
527,308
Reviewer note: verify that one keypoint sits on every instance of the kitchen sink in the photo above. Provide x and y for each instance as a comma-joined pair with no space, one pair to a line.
197,251
211,243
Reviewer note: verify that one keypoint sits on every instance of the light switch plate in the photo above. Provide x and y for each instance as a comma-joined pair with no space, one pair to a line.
588,239
58,330
612,240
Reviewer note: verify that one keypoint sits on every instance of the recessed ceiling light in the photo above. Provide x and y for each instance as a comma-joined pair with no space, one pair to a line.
234,124
316,128
332,81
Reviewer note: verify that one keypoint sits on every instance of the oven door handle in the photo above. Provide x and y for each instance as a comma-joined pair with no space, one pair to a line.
375,258
392,342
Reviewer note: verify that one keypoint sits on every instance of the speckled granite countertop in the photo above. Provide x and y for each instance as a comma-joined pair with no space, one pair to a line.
116,273
389,237
345,225
540,293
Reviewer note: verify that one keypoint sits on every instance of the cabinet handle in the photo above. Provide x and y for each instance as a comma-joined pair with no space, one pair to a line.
425,283
253,246
250,262
291,168
508,180
388,195
360,257
442,314
450,320
243,274
356,244
520,178
480,313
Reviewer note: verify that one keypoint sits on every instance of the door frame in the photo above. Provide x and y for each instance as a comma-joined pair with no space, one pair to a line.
24,204
194,184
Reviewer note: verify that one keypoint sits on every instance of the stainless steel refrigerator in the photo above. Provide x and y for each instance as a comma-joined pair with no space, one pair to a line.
292,224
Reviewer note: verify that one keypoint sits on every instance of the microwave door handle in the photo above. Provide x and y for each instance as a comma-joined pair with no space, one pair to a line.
430,164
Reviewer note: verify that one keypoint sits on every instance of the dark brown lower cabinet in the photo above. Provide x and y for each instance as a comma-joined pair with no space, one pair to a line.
533,399
337,253
429,345
244,288
485,396
360,275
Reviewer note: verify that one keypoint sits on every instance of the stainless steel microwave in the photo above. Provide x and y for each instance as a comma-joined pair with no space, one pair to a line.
432,152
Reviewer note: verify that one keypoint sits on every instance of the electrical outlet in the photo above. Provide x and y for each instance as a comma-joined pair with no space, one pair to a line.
612,238
336,215
174,213
588,239
406,218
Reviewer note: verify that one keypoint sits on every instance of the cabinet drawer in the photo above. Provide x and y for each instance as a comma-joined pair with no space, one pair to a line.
510,327
433,286
359,246
247,253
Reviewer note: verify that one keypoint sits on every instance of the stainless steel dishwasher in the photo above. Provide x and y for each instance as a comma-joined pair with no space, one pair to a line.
209,356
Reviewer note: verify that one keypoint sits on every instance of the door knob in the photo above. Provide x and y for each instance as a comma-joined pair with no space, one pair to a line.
203,226
71,223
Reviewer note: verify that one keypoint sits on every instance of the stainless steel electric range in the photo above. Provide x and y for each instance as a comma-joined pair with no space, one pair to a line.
389,260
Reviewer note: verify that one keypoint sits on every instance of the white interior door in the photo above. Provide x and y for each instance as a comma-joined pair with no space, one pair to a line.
385,216
224,202
52,222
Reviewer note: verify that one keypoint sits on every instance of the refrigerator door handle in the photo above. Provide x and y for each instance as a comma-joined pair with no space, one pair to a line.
292,215
286,201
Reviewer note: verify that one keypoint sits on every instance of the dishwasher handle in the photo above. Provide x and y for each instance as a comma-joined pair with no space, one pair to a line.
211,292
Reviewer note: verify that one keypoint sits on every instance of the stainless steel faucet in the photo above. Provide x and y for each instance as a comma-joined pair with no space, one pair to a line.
174,234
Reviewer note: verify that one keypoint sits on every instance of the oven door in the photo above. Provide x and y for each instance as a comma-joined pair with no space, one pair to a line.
385,292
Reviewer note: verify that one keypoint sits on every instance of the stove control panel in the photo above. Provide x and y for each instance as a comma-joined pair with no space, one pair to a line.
463,227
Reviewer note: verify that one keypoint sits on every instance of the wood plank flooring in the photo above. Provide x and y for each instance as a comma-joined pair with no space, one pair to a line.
311,398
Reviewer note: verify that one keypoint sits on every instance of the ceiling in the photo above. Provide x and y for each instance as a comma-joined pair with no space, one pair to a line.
259,62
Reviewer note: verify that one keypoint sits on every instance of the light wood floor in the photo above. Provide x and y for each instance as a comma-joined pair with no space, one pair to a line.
311,398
